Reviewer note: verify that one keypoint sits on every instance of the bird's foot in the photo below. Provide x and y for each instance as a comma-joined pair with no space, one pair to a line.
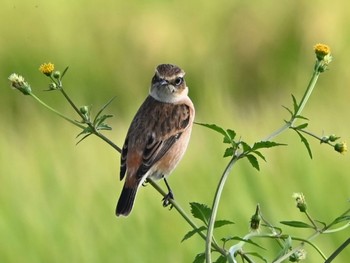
167,198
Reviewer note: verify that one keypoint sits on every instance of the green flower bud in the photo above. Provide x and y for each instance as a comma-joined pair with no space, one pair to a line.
301,203
255,220
333,138
52,86
84,109
57,74
298,256
341,147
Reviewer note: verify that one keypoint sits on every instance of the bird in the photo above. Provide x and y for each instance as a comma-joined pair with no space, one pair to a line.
158,135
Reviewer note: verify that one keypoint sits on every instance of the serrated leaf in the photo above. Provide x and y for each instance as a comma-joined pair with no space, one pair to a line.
306,143
228,134
231,134
253,161
255,254
189,234
220,223
200,258
201,212
297,224
245,146
229,152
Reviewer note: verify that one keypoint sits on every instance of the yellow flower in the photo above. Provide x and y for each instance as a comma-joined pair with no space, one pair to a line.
47,68
321,51
341,147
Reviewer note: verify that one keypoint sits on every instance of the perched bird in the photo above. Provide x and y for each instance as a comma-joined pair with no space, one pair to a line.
158,135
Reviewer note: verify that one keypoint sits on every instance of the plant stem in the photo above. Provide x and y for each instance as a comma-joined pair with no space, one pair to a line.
215,206
301,105
224,176
183,213
57,112
88,122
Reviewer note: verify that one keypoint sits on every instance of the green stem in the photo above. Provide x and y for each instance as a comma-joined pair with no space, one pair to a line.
88,122
285,127
301,105
57,112
215,207
182,213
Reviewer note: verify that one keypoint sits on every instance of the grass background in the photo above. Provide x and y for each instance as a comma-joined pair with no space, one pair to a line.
243,60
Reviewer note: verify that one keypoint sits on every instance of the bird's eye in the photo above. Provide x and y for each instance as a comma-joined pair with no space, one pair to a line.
178,81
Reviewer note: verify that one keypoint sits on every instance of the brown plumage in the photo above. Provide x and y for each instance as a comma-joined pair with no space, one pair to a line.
158,135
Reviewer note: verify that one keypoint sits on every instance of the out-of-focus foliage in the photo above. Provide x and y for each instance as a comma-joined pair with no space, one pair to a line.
243,60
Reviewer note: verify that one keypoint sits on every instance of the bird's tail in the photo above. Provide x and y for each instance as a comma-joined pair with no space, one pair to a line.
126,201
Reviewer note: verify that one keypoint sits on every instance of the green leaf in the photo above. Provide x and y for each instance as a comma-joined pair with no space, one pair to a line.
220,223
253,161
260,155
189,234
245,146
295,104
229,152
221,259
306,143
301,126
102,109
231,134
287,244
266,144
340,219
297,224
101,119
104,126
255,254
228,134
87,135
301,117
249,241
291,113
200,258
201,212
64,72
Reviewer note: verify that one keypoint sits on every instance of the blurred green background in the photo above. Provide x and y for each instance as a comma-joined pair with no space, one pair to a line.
243,60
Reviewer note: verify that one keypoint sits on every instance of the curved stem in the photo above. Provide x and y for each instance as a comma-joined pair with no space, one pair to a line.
57,112
183,213
285,127
216,206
